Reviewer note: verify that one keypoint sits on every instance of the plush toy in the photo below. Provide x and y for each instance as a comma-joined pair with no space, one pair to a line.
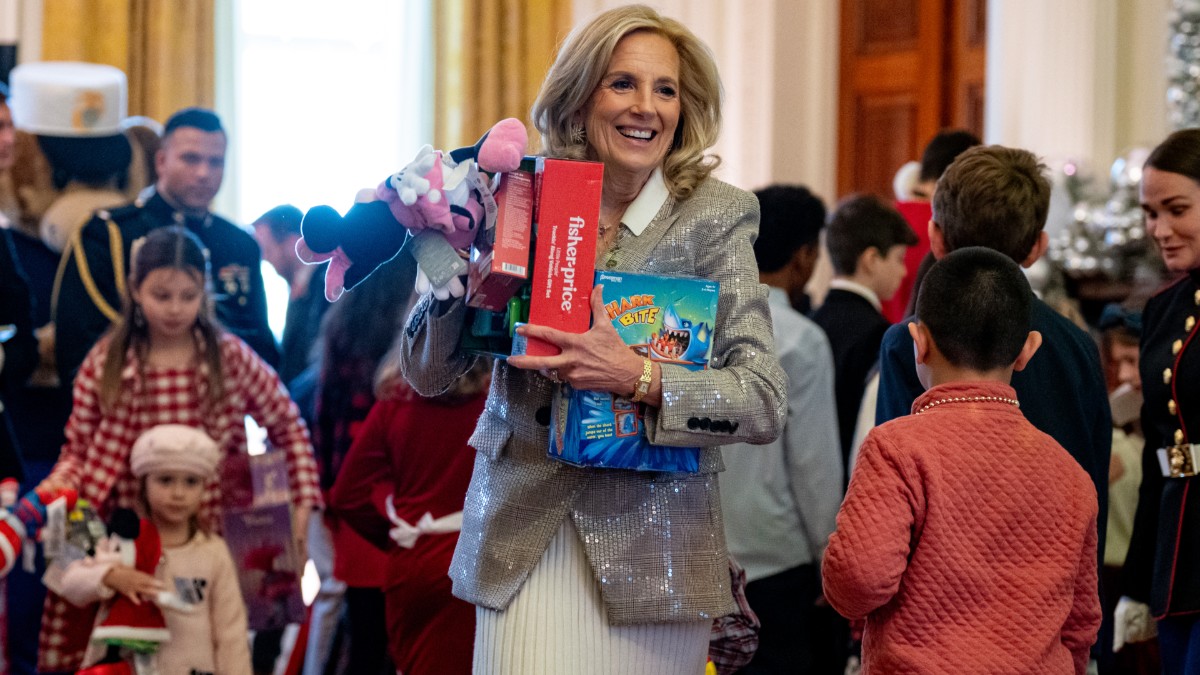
439,202
24,520
139,627
76,151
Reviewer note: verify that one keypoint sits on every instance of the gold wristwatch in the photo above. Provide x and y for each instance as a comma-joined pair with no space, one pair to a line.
643,384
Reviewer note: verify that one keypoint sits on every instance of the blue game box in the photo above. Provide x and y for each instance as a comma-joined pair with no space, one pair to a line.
666,319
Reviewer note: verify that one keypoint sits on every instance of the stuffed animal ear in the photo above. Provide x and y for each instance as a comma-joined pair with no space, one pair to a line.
145,137
501,148
320,228
318,243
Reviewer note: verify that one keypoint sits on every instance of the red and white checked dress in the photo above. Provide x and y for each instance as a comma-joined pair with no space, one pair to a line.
95,458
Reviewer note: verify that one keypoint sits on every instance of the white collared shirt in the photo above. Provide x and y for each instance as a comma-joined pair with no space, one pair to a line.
858,289
645,206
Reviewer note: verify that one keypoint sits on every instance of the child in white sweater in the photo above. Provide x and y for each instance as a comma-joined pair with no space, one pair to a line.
175,566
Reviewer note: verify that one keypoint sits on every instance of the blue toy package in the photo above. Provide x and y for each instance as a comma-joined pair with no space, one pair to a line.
666,319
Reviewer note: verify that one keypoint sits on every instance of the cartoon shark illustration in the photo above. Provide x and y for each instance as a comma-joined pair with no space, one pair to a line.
679,340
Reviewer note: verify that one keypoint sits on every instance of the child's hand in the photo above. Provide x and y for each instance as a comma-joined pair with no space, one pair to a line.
132,583
52,485
300,537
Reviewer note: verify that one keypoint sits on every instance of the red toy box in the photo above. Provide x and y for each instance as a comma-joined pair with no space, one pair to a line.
500,255
567,217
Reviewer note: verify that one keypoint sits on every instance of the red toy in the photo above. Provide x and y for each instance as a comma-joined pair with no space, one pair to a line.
24,521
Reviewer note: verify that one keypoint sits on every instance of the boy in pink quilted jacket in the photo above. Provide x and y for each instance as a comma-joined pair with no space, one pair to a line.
967,539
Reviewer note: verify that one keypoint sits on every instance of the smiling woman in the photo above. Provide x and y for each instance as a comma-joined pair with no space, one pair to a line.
627,568
630,120
1161,577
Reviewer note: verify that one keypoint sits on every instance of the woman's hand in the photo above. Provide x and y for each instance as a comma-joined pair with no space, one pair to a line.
132,583
597,360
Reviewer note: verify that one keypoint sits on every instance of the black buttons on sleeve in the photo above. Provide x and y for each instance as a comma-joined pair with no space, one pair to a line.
706,424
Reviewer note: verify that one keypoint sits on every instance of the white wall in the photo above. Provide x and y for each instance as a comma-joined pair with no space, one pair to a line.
1076,80
21,23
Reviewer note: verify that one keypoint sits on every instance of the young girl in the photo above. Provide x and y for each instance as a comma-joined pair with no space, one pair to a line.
402,488
167,362
189,571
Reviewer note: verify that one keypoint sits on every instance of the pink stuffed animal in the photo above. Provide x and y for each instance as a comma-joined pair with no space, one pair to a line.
440,192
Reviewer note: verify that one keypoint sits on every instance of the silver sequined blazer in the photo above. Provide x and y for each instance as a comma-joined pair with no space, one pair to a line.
655,541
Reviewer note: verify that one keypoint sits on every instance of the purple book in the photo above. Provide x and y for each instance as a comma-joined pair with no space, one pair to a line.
260,541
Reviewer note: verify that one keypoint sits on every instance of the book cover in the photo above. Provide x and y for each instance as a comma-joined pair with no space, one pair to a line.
666,319
260,540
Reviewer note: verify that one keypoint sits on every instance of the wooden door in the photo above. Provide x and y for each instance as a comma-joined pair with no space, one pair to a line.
966,58
908,68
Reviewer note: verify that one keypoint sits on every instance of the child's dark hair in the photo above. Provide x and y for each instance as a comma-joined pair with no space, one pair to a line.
860,223
995,197
791,218
943,149
977,306
164,247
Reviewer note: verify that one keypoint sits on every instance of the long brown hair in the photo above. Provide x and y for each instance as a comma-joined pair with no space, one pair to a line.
164,247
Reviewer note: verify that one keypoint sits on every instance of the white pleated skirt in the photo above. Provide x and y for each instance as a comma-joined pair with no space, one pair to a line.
556,624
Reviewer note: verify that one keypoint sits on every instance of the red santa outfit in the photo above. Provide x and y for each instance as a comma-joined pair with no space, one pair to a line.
967,540
95,458
414,451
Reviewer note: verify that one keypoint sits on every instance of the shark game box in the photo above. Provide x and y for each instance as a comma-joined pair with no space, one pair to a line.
665,319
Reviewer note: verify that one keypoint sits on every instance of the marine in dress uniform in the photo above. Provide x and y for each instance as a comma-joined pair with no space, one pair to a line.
92,277
1163,565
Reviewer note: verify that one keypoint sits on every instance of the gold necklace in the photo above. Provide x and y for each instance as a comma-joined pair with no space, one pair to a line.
966,399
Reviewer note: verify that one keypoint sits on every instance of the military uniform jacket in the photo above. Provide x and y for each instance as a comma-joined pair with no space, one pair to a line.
655,541
1163,565
241,303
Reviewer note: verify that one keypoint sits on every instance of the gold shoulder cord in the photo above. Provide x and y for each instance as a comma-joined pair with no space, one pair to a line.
75,247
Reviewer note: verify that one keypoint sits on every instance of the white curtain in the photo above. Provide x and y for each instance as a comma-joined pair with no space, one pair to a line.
1080,80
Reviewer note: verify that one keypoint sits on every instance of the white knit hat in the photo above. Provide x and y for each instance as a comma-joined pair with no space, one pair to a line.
174,447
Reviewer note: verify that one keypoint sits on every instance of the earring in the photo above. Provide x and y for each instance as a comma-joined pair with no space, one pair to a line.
139,319
578,134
